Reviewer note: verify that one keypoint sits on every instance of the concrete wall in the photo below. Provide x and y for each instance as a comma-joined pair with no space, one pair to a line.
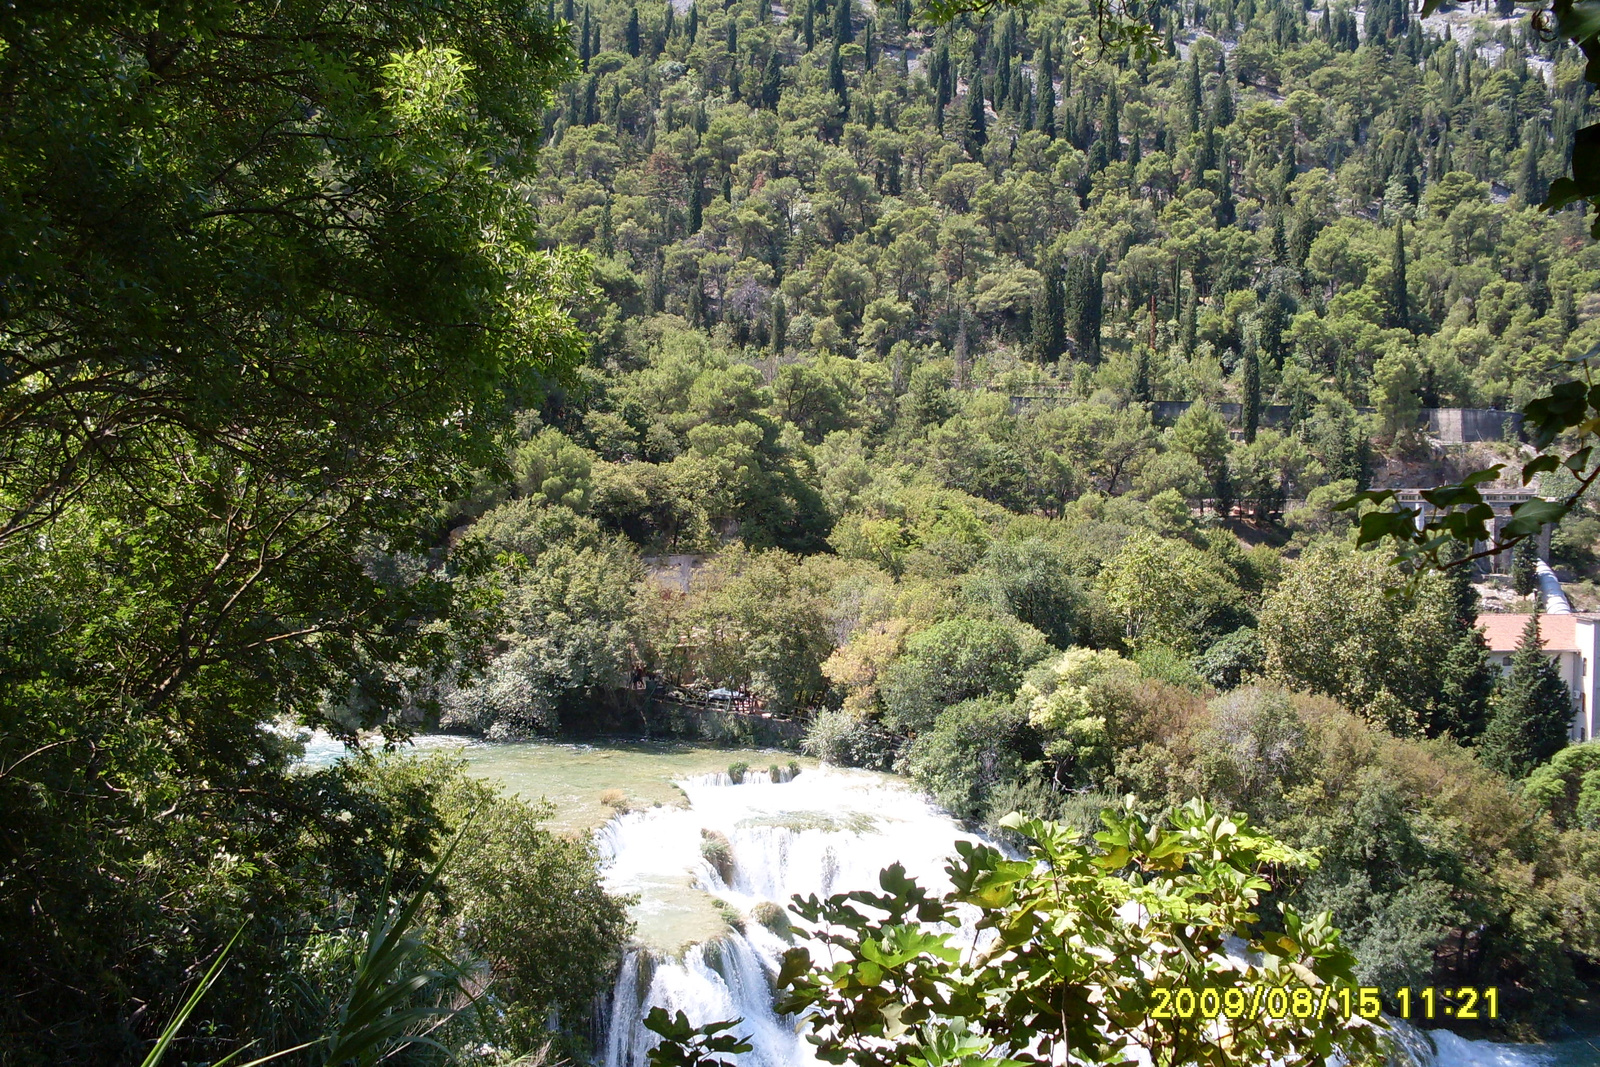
1452,426
1459,426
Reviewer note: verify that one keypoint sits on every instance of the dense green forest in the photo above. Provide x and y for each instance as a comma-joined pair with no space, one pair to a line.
360,367
832,244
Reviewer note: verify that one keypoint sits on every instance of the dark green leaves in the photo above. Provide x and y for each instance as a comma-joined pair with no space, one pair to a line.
684,1045
1073,947
1566,406
1461,519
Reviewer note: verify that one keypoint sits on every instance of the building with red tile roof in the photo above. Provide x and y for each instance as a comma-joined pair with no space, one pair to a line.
1572,641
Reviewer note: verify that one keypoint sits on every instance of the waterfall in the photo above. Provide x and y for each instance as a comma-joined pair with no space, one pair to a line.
737,850
751,846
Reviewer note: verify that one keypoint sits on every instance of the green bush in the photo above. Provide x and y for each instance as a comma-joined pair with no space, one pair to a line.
845,738
973,748
955,661
774,918
717,850
736,771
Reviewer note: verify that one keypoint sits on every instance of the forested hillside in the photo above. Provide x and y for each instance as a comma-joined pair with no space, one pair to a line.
398,365
832,244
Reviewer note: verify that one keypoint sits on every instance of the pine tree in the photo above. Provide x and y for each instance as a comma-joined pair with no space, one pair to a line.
1532,712
1399,298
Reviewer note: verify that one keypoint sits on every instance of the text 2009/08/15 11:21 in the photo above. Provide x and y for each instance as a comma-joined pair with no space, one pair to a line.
1307,1002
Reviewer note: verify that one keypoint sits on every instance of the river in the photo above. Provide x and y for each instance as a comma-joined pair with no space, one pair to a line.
706,857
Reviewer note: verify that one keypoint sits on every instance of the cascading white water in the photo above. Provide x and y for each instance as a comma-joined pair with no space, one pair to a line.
827,831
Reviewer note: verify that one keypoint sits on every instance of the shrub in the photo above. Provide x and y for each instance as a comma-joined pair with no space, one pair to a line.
717,850
736,771
972,748
955,661
848,739
774,918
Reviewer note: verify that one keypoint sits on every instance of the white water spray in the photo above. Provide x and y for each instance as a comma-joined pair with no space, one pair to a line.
827,831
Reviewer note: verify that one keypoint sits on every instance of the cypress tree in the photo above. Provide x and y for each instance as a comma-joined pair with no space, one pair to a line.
1529,185
733,36
1049,316
608,232
1226,211
1465,678
584,55
1141,376
1085,304
1046,123
977,125
1566,309
1399,299
1251,415
771,81
697,195
1192,90
1532,712
692,30
631,35
1188,322
591,104
808,26
1110,126
836,81
843,32
1222,103
1525,567
780,325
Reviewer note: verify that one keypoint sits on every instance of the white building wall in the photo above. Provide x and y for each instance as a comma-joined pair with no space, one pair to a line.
1587,637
